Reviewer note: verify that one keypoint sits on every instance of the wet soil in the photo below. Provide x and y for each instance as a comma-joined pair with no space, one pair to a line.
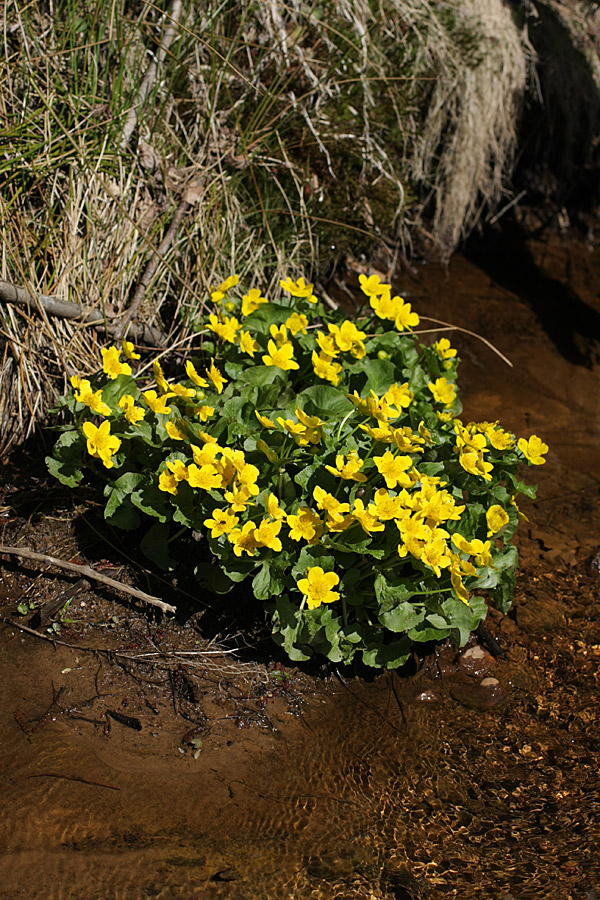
142,760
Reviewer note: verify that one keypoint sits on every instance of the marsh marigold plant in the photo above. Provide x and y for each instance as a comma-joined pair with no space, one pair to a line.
320,458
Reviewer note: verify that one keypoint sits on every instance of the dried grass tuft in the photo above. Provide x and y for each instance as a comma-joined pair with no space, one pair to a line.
277,135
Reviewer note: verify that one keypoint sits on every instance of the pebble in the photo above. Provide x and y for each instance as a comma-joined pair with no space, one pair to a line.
476,661
486,694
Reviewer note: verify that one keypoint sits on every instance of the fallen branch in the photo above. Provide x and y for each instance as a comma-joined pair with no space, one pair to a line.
150,270
141,333
88,572
150,75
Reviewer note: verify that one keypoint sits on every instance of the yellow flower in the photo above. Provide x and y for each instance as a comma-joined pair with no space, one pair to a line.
266,535
456,580
415,535
298,288
324,368
100,442
207,454
206,477
372,285
243,539
247,477
328,502
385,507
496,518
157,404
282,357
251,301
92,399
436,553
474,463
273,507
443,349
297,322
167,482
223,521
175,433
313,425
479,549
386,306
111,364
248,344
279,334
134,414
317,587
160,378
296,429
405,318
129,350
393,468
399,395
264,420
215,376
178,469
179,390
498,438
228,284
348,337
443,391
193,375
305,525
533,449
203,412
227,329
365,517
348,469
238,497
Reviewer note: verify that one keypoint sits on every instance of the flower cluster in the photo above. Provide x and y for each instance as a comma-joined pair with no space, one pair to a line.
321,456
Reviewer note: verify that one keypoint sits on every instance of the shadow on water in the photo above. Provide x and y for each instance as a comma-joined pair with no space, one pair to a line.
476,777
571,323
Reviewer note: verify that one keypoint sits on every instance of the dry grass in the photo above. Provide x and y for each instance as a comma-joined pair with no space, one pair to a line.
295,132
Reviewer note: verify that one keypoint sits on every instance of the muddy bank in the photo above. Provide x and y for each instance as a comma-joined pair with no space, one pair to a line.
443,784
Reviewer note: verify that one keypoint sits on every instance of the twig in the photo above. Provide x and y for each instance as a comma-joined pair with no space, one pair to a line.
101,784
88,572
449,327
150,270
150,76
10,293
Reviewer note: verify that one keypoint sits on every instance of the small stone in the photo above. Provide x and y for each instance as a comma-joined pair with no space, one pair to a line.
488,694
476,661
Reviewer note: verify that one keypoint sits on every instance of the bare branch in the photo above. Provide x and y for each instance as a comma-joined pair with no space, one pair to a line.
87,572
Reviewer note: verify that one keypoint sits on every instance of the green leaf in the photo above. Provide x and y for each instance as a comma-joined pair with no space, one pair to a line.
380,375
66,461
402,617
389,594
323,400
68,473
312,556
119,511
423,633
151,501
260,376
267,314
269,580
116,388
